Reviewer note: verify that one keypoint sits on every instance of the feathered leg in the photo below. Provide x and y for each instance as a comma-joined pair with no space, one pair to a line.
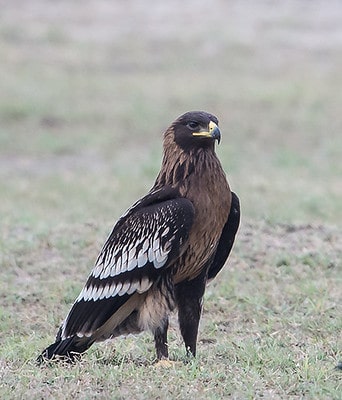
160,340
189,296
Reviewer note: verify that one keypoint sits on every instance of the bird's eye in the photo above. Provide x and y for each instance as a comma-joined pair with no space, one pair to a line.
192,125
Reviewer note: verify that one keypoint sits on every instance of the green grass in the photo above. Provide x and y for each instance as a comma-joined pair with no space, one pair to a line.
85,96
270,325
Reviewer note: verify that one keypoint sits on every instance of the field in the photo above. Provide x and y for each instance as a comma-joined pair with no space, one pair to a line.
86,91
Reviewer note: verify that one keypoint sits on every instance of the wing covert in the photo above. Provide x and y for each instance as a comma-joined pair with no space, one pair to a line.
147,240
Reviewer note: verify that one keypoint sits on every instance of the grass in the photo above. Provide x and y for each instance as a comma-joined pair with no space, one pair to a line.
270,324
86,95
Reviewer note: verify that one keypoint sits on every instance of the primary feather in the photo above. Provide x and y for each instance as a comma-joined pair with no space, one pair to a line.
162,251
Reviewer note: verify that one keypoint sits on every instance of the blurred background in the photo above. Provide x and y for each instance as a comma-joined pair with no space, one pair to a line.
87,89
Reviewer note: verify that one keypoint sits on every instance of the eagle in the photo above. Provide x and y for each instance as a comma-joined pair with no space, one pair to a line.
162,252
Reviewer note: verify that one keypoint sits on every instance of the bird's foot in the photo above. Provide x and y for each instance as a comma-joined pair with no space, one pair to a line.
166,363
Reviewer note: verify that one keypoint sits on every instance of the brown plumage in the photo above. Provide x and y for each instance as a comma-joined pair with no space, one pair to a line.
162,251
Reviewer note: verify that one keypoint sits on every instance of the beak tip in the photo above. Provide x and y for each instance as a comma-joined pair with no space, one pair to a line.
216,134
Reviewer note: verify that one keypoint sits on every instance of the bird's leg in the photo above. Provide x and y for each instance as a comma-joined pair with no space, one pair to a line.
189,295
160,340
188,323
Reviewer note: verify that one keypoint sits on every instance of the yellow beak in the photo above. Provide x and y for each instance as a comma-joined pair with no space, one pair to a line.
213,132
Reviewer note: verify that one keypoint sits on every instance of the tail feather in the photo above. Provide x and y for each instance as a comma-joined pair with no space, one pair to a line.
68,349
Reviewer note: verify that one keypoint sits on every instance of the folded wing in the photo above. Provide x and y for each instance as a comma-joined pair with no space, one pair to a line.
227,238
144,242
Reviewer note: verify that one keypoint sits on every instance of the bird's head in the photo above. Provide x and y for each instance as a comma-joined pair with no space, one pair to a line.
195,129
189,145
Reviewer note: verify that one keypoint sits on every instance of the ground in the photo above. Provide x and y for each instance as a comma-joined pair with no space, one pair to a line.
85,94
